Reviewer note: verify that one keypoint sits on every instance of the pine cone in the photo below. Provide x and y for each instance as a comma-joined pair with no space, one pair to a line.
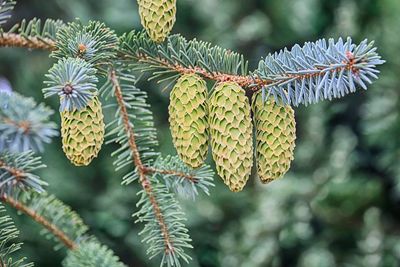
157,17
188,119
275,138
231,134
82,133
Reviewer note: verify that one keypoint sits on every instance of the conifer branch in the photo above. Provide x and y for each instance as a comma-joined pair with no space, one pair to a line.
320,70
24,124
186,176
16,172
164,229
317,71
304,75
65,226
144,181
95,43
39,219
29,42
179,56
32,34
245,81
20,188
128,127
74,81
140,119
5,8
8,235
182,179
55,212
91,252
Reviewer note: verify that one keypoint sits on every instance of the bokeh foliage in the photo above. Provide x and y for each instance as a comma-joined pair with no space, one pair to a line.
339,205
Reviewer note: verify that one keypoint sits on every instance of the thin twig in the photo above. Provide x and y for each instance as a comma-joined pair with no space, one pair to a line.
142,170
247,82
41,220
172,172
18,174
30,42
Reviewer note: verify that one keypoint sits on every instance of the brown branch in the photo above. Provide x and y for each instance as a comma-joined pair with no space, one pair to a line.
142,170
191,178
250,83
41,220
17,40
349,65
18,174
243,81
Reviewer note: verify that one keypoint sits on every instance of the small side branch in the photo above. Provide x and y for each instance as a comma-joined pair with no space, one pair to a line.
248,82
142,170
172,172
41,220
125,117
18,174
17,40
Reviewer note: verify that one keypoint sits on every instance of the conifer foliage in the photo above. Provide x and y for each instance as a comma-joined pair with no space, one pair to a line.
24,125
239,106
8,233
5,8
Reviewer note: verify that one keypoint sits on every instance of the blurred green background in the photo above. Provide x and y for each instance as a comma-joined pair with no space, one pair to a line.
340,203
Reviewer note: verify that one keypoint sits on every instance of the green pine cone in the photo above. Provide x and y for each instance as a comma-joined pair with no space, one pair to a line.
188,119
157,17
82,133
231,134
275,138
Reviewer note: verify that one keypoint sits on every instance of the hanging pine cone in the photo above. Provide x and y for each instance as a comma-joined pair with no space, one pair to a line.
82,133
275,138
188,119
157,17
231,134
